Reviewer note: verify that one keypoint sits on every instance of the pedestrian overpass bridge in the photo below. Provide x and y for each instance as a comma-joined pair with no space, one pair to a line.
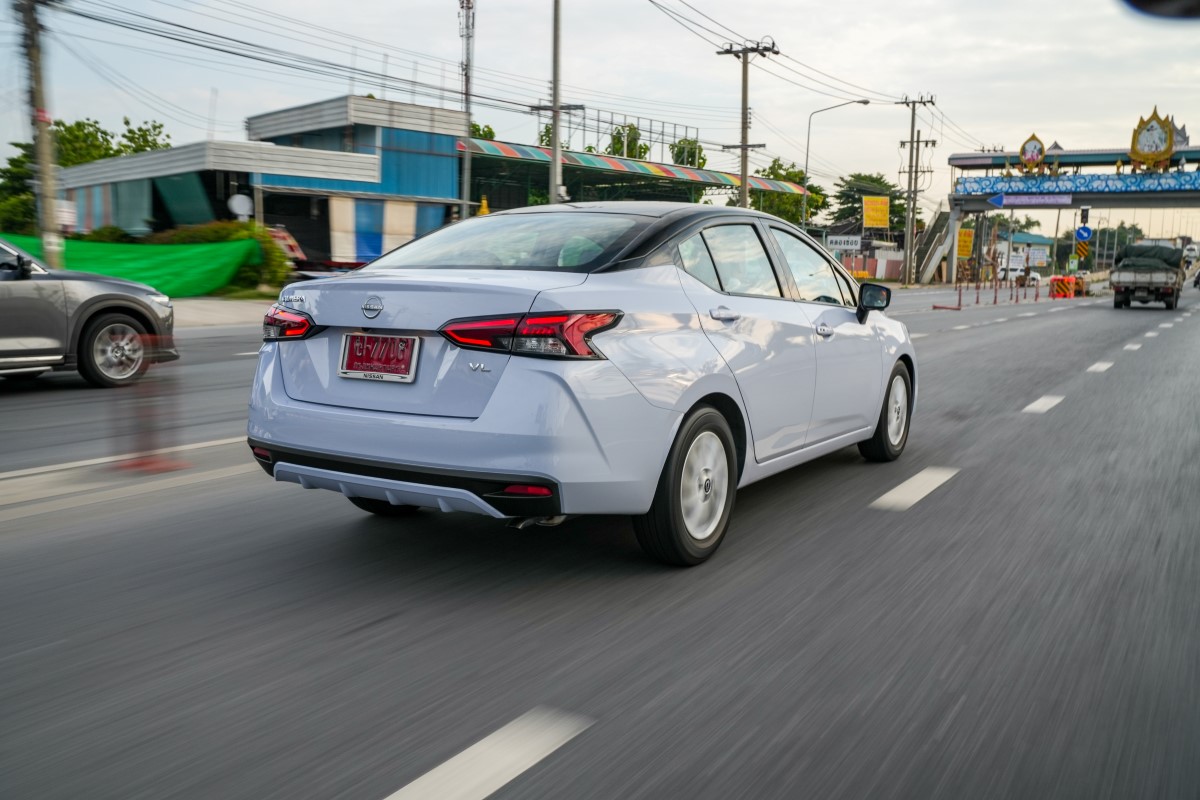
1159,169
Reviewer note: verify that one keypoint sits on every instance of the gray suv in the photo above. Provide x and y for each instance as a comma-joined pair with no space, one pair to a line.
111,330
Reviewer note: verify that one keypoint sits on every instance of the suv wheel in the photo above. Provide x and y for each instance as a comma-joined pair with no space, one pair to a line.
112,351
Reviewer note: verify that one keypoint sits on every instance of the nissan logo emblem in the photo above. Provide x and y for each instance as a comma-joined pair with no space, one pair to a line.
372,307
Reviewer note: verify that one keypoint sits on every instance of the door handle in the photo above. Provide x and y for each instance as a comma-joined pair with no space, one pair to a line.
824,330
724,314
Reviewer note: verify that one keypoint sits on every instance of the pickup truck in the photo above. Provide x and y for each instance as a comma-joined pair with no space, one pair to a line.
1147,273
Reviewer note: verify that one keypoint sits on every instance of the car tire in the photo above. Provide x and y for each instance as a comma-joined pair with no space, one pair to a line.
112,351
1117,302
891,430
382,507
686,523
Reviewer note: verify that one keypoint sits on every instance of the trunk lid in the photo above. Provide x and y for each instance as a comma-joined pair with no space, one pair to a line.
448,381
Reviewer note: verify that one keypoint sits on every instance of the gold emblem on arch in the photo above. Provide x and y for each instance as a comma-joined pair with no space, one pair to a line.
1153,141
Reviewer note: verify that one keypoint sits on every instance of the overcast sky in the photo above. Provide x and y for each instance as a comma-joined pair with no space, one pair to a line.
1079,72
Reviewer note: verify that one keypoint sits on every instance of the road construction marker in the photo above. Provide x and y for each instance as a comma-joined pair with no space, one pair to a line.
1133,347
1043,404
1100,366
496,760
909,493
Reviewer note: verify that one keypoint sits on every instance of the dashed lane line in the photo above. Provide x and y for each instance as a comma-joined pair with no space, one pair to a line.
247,354
1133,347
1043,404
1100,366
496,760
1167,325
913,490
917,335
960,327
1028,314
91,462
1150,334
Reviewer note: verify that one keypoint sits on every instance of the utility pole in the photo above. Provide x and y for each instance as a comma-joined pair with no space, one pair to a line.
557,194
52,244
466,29
914,162
762,47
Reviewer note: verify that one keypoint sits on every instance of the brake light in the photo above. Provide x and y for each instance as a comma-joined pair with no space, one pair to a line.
524,490
283,323
562,335
487,334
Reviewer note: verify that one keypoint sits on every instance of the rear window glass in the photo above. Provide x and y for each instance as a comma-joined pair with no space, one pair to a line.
570,241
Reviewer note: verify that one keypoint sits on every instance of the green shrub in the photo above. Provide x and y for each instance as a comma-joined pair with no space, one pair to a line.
18,214
110,234
274,269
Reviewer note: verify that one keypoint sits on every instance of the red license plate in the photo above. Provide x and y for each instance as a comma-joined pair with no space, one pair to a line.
379,358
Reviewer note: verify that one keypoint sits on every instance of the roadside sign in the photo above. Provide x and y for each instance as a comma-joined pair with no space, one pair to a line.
875,212
966,242
1016,260
66,213
1073,263
1081,249
844,243
1083,233
1039,256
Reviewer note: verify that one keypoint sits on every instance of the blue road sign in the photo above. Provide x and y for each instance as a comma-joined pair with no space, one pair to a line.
997,200
1083,233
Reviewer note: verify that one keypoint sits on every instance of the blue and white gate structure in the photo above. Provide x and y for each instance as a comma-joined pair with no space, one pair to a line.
1159,169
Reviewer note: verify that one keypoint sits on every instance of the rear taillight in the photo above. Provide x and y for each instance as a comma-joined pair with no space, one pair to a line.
561,335
526,490
284,323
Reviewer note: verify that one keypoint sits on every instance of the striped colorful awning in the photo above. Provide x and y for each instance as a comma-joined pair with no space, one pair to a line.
709,177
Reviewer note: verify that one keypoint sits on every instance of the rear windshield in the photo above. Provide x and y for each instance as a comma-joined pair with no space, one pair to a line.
568,241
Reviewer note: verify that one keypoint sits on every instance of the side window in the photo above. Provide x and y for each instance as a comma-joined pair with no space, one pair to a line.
812,273
849,288
741,261
698,263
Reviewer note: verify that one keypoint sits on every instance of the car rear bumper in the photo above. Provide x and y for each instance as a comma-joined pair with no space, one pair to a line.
579,427
446,490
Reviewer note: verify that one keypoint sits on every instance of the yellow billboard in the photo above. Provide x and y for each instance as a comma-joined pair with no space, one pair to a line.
966,242
875,212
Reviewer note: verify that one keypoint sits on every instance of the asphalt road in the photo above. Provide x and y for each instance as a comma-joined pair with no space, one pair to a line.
1026,629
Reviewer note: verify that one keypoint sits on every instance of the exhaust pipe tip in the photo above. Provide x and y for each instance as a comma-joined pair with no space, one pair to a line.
521,523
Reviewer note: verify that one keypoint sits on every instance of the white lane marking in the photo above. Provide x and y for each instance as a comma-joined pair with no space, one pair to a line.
1028,314
1100,366
909,493
1060,308
1002,319
960,327
34,649
1043,404
1133,347
123,492
91,462
917,335
1179,319
494,761
1151,334
1167,325
247,354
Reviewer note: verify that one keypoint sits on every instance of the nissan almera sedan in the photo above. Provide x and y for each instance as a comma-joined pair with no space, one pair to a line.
641,359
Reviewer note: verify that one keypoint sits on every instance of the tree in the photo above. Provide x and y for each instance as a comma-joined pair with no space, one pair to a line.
18,209
851,190
482,131
787,206
626,142
144,137
1001,220
82,141
688,153
546,137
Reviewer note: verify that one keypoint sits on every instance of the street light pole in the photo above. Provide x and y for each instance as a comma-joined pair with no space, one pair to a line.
807,140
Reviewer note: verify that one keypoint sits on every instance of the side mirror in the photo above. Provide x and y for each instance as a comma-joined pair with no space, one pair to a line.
872,297
24,267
